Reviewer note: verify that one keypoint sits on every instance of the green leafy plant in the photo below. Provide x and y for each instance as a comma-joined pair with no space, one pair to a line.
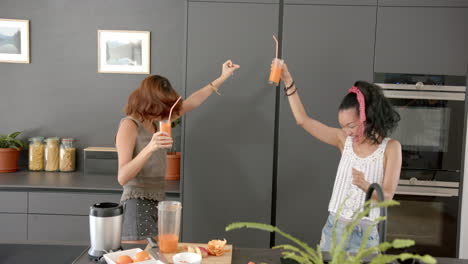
10,141
302,253
176,122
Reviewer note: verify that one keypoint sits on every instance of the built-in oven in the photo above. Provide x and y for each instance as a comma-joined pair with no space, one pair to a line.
431,132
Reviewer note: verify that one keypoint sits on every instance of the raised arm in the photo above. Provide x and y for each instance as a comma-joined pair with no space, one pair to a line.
330,135
198,97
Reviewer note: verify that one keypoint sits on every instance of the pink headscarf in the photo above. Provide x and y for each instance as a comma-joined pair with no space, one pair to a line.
362,111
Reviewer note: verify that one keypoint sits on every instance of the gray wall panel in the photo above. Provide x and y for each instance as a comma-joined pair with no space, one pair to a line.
60,93
229,140
422,40
325,58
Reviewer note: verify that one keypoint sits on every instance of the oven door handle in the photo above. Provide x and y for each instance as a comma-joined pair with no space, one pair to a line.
427,191
446,96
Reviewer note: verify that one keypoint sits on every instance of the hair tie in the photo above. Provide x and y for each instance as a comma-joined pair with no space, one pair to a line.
362,109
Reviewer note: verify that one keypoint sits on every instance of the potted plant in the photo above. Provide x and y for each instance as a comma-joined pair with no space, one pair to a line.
304,254
9,152
173,158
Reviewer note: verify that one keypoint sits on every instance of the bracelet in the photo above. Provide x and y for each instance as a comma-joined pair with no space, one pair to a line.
290,86
295,90
214,88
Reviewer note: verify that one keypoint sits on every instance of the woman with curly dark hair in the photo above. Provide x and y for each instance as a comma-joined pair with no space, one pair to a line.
368,155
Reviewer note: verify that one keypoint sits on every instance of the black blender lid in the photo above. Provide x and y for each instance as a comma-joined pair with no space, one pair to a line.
106,209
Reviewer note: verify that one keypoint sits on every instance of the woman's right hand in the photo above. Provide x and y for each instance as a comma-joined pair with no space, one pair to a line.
160,140
286,75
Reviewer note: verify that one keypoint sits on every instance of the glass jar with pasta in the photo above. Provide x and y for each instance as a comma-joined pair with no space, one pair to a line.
36,154
52,154
67,155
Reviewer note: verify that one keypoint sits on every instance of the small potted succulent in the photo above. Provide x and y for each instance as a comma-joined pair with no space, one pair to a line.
301,253
10,148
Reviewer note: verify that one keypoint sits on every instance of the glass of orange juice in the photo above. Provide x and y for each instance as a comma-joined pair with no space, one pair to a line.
169,216
275,73
165,126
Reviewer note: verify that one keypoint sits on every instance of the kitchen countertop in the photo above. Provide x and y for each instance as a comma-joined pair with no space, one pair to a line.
66,254
69,181
239,256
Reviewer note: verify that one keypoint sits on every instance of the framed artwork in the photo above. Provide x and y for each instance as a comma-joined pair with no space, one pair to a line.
14,40
124,51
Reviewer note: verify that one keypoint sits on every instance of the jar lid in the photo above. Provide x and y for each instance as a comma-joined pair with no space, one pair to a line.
52,139
35,139
68,140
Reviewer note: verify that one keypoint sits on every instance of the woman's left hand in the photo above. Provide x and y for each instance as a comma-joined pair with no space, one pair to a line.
229,68
359,180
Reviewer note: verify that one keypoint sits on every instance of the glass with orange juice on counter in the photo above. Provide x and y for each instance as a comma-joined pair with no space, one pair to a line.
169,217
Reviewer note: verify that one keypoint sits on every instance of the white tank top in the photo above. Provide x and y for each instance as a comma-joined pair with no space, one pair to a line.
373,168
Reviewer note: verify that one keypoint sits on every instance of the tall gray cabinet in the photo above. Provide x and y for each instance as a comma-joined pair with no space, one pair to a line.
327,48
228,153
425,38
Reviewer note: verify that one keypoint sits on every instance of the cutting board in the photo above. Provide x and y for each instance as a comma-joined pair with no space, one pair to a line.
224,259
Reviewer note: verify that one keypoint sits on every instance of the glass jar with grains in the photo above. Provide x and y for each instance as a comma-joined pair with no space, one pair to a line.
67,155
36,154
52,154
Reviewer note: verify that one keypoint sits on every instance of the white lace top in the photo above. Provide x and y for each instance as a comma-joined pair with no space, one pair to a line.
371,166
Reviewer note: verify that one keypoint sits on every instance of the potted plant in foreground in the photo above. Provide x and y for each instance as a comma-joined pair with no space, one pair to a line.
304,254
9,152
173,158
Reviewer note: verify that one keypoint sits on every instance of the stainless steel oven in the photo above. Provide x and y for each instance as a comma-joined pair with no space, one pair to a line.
431,132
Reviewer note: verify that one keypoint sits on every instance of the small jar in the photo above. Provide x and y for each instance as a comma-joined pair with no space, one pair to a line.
52,154
67,155
36,154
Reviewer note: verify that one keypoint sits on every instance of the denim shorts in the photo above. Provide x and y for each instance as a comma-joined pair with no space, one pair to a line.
140,219
354,240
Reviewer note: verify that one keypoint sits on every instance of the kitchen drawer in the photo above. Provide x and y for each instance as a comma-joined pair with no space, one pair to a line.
13,227
67,228
67,203
13,202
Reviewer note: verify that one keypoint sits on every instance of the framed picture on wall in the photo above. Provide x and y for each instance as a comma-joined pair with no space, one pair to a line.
124,51
14,40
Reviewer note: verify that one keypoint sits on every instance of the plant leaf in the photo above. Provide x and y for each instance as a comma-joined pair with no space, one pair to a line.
14,134
402,243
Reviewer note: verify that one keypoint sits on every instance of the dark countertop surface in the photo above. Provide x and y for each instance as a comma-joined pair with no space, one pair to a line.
67,254
239,256
69,181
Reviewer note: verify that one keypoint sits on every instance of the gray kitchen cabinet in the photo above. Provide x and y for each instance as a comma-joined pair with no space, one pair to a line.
424,40
331,2
64,228
240,1
13,202
426,3
228,156
13,227
67,203
325,59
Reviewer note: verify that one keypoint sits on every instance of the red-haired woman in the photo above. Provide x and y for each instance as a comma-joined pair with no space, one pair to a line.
141,148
